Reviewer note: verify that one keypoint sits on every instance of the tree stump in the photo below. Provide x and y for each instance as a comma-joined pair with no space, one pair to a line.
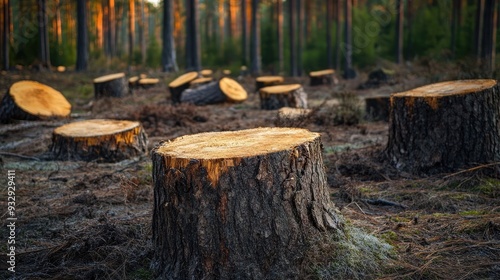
266,81
292,117
101,140
321,77
29,100
206,73
377,108
180,84
114,85
133,82
148,82
239,204
275,97
215,92
445,126
226,72
200,81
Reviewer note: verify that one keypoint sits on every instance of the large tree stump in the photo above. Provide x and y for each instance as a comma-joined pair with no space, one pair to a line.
445,126
101,140
29,100
216,92
275,97
377,108
266,81
321,77
114,85
238,205
180,84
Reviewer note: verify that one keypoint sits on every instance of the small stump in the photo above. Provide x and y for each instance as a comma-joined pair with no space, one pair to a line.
238,205
215,92
377,108
445,126
102,140
275,97
266,81
321,77
206,73
133,82
29,100
148,82
180,84
226,72
292,117
114,85
200,81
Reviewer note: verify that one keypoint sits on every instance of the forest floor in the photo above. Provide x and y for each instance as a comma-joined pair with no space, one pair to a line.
89,220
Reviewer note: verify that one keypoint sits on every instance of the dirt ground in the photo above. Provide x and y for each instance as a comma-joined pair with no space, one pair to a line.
90,220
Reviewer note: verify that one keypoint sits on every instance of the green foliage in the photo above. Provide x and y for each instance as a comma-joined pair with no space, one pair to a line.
153,53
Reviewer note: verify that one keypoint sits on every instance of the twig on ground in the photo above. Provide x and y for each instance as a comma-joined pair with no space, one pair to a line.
472,169
18,156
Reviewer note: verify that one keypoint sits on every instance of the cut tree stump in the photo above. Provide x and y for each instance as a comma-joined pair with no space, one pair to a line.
114,85
226,72
101,140
29,100
206,73
239,204
275,97
292,117
215,92
445,126
146,83
266,81
133,82
377,108
321,77
180,84
201,81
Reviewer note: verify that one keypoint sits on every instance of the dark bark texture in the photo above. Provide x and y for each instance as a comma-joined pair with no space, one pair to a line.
10,111
433,135
82,56
112,88
168,55
321,80
176,92
107,148
294,99
254,223
261,84
204,95
377,108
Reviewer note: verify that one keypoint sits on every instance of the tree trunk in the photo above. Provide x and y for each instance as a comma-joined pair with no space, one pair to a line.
99,140
275,97
255,39
265,81
114,85
28,100
399,30
292,30
244,33
478,32
239,205
82,56
300,35
409,28
321,77
279,35
348,71
43,31
377,108
455,26
338,13
180,84
489,35
6,35
168,56
329,49
216,92
193,61
142,32
131,29
445,126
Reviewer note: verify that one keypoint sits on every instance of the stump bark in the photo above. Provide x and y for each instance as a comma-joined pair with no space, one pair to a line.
29,100
321,77
266,81
377,108
101,140
215,92
292,117
445,126
180,84
239,204
275,97
114,85
148,82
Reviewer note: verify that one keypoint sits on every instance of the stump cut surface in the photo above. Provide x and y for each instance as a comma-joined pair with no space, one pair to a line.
270,79
108,78
183,79
39,100
280,89
321,73
233,90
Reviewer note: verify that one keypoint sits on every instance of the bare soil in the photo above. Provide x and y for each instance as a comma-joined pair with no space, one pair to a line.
91,220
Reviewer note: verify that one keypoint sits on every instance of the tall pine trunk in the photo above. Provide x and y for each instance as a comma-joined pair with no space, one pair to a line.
168,55
244,33
348,71
399,30
338,14
142,32
489,35
43,31
292,30
279,35
5,34
193,60
131,30
455,26
82,53
478,31
329,50
255,38
300,37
